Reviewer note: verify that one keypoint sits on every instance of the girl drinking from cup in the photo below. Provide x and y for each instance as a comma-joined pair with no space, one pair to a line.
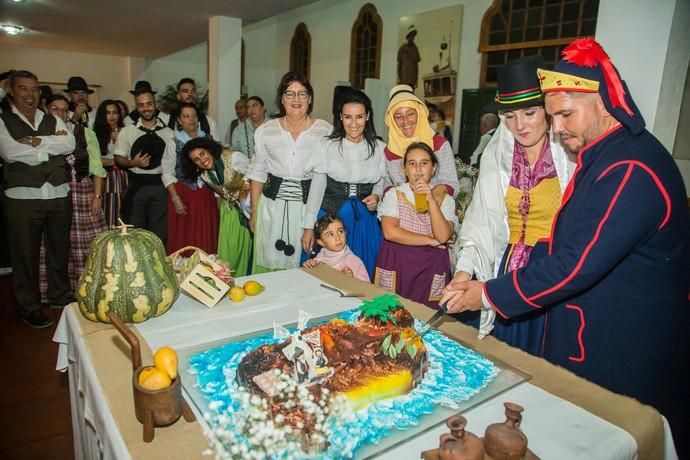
330,235
413,260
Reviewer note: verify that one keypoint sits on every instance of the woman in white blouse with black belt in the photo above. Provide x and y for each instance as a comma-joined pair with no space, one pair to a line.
286,153
348,182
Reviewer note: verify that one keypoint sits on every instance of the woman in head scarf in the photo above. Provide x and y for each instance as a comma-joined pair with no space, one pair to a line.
407,120
521,181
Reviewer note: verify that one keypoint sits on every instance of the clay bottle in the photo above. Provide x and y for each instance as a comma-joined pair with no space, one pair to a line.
460,444
504,441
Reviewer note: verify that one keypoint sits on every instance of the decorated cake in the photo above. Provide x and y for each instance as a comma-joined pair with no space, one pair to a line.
326,390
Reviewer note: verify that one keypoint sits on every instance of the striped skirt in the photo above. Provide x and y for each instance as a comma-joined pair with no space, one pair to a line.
114,187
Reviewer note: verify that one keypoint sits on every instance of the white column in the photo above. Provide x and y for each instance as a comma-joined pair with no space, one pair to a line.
224,69
636,34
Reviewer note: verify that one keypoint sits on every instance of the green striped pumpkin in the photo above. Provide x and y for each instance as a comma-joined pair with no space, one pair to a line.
126,272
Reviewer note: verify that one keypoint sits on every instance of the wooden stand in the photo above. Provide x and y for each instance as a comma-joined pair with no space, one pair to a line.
152,407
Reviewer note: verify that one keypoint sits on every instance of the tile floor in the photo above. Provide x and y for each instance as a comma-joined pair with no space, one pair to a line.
35,421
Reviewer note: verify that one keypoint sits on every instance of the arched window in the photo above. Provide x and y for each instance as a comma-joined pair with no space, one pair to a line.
300,50
365,46
517,28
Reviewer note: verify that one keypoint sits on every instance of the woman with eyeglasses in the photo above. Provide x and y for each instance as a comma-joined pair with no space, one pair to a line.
286,153
86,187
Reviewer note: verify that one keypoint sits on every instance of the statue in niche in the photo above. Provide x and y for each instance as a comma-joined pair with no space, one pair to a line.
408,60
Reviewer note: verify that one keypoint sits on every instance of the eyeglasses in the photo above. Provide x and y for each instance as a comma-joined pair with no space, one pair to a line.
300,94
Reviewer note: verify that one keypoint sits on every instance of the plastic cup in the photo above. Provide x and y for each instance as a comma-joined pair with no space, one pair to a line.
420,202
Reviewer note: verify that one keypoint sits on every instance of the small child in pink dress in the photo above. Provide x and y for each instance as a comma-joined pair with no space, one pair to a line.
329,233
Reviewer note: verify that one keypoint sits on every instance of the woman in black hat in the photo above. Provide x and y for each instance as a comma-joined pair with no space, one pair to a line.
523,176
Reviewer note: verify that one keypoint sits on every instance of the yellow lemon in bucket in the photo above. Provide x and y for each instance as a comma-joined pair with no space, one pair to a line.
156,380
165,359
145,373
253,287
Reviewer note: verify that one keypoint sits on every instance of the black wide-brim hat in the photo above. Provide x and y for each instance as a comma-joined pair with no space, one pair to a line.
142,86
78,84
518,85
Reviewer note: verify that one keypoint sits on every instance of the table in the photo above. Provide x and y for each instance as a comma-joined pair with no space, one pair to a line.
564,417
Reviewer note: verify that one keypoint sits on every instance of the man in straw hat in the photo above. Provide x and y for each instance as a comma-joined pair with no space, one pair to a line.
615,283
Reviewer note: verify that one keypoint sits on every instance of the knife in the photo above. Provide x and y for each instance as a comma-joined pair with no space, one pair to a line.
432,323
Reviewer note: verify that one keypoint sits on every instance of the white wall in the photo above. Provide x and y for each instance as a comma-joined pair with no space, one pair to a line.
110,72
168,70
650,45
637,44
330,23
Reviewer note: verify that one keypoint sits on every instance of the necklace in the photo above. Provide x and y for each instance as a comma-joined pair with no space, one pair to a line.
293,129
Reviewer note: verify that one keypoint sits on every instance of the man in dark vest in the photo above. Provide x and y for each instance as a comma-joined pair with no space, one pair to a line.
33,145
140,149
614,286
186,92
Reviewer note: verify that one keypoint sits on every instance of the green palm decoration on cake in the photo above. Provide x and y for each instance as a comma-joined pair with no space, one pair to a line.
381,307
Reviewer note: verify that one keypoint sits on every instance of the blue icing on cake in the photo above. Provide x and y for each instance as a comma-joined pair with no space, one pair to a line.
454,375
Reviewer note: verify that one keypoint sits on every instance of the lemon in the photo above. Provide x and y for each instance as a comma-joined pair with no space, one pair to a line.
253,287
156,380
145,372
236,294
165,359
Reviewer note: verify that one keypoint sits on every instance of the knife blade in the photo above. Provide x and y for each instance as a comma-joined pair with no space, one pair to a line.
432,323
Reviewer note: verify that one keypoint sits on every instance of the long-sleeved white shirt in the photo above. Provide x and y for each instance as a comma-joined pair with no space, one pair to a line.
276,152
347,164
12,151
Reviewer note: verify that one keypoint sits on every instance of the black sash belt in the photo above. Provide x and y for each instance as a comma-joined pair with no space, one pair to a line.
286,189
337,192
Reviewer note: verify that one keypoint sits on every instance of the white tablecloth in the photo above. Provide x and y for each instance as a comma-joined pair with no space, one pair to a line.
556,428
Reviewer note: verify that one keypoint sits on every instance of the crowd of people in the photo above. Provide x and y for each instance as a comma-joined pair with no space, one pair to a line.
575,247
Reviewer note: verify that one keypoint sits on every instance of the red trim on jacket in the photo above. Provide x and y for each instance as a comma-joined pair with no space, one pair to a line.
521,294
581,358
591,244
571,184
656,180
493,305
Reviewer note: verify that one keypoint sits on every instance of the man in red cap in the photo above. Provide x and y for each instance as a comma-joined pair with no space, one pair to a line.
615,284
